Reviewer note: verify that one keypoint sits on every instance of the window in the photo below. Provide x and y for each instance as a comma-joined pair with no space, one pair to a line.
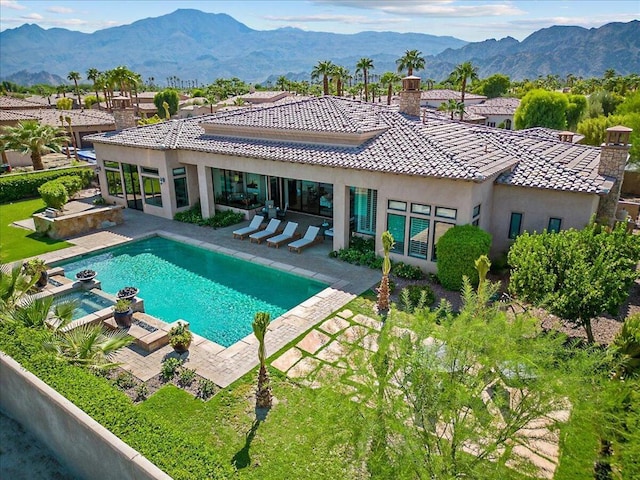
420,209
152,195
180,186
554,225
439,229
443,212
395,225
114,184
491,124
476,222
418,237
112,165
365,208
507,124
152,171
238,189
515,225
476,211
396,205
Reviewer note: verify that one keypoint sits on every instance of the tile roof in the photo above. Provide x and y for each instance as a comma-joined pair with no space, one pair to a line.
544,133
446,94
494,106
16,115
7,102
430,147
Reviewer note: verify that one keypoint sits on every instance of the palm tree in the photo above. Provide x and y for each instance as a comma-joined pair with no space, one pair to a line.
93,74
323,69
451,106
460,75
339,74
75,76
13,287
411,60
29,137
383,291
364,65
388,80
282,83
263,395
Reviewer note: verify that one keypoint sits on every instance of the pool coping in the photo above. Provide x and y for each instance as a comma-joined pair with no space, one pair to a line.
211,360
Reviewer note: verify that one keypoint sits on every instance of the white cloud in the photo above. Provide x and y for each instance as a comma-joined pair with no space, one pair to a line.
433,8
32,16
348,19
61,10
12,4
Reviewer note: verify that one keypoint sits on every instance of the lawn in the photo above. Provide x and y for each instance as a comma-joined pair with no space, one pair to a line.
16,242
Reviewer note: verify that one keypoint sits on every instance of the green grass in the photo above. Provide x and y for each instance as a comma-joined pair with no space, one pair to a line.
17,243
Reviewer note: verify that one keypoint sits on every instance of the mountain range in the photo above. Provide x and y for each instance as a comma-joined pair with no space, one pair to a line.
194,45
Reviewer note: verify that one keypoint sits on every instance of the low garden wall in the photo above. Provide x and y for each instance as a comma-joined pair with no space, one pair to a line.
83,445
66,226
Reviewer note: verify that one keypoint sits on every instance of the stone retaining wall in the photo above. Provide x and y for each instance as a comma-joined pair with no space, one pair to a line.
84,446
66,226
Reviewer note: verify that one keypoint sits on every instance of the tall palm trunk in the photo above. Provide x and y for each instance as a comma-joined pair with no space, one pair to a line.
464,87
36,160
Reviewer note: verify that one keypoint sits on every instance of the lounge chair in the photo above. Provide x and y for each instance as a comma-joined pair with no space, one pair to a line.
270,231
310,238
286,236
253,227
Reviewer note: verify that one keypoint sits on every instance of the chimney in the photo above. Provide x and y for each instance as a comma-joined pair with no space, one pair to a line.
123,113
410,96
566,137
613,159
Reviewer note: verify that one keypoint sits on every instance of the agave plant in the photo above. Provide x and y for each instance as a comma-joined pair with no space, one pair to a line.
263,395
626,347
88,345
14,285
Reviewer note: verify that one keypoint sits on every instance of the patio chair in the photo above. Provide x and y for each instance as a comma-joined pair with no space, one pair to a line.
282,213
253,227
270,231
310,238
286,236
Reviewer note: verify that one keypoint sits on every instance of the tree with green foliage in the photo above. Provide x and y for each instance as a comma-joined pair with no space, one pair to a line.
410,61
323,69
31,138
365,65
603,103
452,106
575,274
456,252
260,324
389,80
447,395
383,291
93,74
75,76
64,103
170,96
494,86
460,75
575,110
541,108
595,131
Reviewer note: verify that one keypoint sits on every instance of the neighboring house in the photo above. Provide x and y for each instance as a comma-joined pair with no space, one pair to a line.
12,103
366,169
435,98
496,112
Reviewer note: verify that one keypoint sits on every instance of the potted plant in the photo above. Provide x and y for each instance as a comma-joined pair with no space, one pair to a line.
180,337
37,268
127,293
86,275
123,313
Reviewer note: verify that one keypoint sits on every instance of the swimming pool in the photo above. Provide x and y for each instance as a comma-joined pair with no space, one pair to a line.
217,294
87,302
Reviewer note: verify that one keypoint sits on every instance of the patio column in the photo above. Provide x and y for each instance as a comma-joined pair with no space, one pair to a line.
205,186
340,216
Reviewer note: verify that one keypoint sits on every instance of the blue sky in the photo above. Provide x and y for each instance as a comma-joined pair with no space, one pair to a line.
471,20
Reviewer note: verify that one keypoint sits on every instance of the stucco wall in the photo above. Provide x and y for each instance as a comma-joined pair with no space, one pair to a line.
537,206
83,445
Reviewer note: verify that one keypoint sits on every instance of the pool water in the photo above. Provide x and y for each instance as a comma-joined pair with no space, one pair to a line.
86,302
217,294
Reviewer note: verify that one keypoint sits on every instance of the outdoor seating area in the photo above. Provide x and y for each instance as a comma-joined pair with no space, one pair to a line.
272,229
311,237
277,233
253,227
287,235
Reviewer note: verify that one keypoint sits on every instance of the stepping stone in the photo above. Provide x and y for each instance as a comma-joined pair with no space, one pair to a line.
345,313
370,342
544,466
303,368
353,334
368,322
287,359
334,325
547,450
332,352
313,341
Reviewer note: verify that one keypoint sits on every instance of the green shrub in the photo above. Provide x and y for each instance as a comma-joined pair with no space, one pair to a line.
54,194
219,220
124,381
142,392
457,250
186,376
73,184
169,368
404,270
17,186
206,388
415,297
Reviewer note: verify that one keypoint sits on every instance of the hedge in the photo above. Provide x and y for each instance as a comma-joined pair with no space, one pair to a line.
54,194
18,186
170,448
457,251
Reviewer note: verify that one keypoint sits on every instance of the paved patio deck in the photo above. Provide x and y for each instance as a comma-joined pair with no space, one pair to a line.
210,360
